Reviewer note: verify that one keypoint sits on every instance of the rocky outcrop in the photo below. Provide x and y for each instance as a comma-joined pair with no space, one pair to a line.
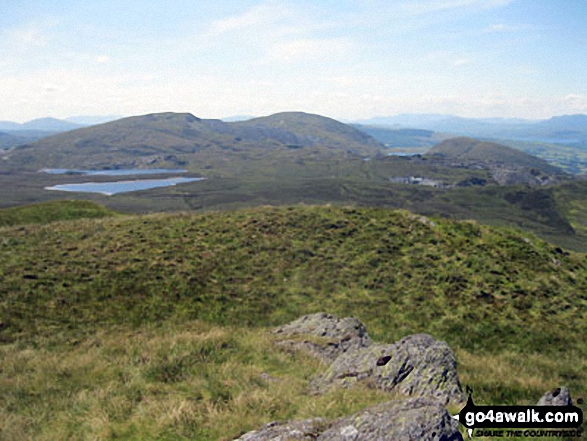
292,430
411,419
417,365
330,335
556,397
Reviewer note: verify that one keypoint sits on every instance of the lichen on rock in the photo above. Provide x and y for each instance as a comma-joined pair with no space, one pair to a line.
407,419
417,365
327,335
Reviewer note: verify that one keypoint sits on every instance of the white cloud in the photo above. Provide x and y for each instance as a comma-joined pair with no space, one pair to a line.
305,49
31,35
461,62
501,27
101,59
258,16
422,7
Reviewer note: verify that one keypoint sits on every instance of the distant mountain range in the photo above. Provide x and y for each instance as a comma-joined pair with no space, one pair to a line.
40,124
567,129
183,138
90,120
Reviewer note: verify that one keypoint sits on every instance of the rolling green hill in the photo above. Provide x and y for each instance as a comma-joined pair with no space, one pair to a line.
178,138
267,265
53,211
132,317
469,149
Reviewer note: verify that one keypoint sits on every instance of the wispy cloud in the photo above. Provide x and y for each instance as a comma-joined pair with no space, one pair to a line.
260,16
501,27
422,7
32,35
306,49
101,59
461,62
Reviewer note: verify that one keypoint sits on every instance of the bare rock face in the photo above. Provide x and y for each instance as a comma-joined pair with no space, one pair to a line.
409,419
324,335
291,430
417,365
556,397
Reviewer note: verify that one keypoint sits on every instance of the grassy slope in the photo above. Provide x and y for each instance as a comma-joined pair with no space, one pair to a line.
470,149
46,212
99,337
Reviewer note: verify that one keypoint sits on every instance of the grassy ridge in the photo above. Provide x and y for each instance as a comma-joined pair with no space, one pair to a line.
266,266
46,212
153,327
470,149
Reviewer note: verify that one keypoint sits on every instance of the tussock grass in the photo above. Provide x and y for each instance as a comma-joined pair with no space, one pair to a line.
193,381
155,327
45,212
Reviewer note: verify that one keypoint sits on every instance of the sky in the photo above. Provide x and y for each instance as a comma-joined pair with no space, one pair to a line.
346,59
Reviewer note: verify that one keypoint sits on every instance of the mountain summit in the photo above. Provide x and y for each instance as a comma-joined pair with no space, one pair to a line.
124,141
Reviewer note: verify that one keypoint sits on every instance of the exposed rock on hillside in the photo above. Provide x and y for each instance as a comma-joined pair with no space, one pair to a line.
417,365
415,418
291,430
556,397
335,336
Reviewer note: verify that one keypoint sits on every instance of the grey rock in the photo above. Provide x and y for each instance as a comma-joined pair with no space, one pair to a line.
556,397
409,419
291,430
329,335
417,365
412,419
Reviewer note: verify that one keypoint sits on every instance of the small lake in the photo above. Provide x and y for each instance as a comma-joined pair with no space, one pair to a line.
401,154
119,172
110,188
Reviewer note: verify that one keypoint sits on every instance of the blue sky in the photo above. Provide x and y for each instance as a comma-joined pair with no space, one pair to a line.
344,59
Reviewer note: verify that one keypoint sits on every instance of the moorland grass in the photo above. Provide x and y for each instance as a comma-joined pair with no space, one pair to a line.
155,326
45,212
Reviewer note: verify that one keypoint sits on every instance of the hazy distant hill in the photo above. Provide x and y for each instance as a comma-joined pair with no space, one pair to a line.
310,129
183,137
13,138
564,130
90,120
566,122
469,149
41,124
401,137
447,123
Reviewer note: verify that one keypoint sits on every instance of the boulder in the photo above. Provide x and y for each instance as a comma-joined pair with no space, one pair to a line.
291,430
417,365
324,336
408,419
556,397
411,419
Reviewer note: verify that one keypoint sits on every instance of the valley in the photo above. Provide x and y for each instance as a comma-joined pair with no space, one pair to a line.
297,158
